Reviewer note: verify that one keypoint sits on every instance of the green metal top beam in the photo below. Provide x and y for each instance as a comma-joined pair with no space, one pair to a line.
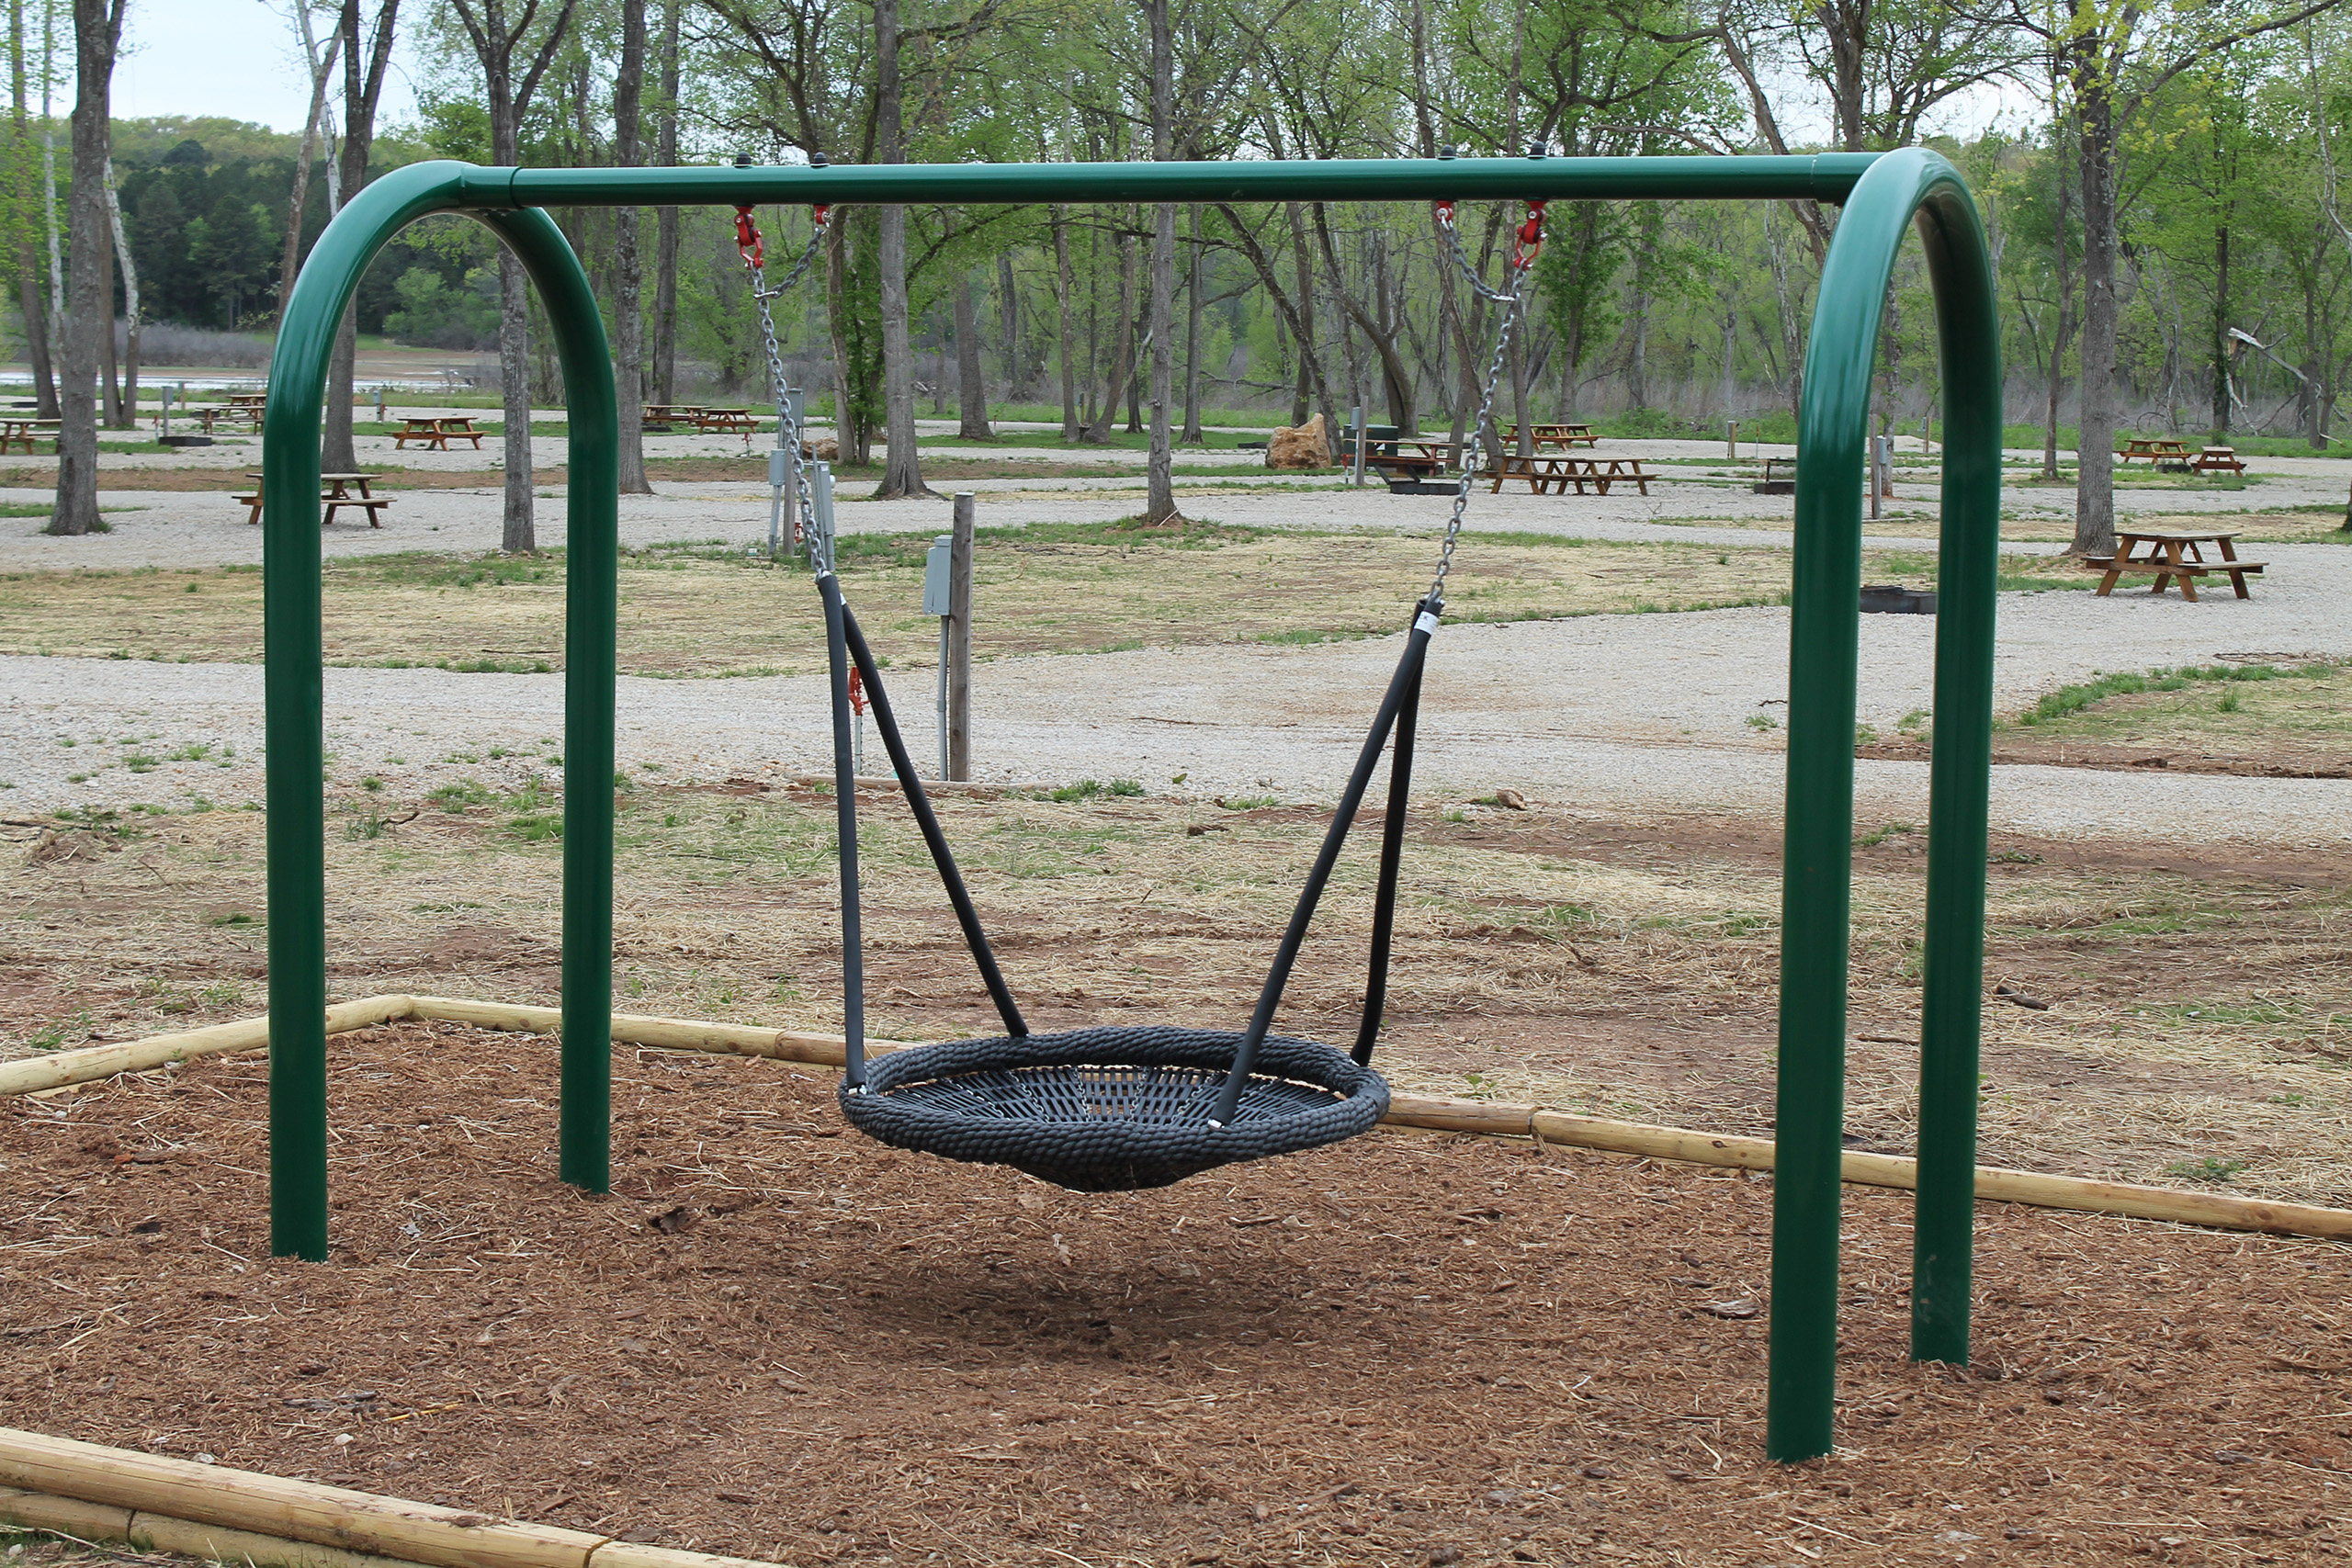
1826,177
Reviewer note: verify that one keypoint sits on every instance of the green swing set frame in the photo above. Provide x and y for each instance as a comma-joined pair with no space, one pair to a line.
1882,195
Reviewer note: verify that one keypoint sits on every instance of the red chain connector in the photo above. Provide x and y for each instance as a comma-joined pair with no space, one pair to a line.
1445,214
856,690
820,214
747,237
1529,242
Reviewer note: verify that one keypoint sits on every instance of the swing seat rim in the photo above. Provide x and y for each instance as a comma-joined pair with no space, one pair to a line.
1009,1099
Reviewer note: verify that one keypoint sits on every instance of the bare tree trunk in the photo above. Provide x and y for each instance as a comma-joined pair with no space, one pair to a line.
128,410
1008,305
1062,291
363,88
1192,436
29,300
1159,499
665,232
1123,355
290,259
2062,334
97,34
971,385
110,398
629,274
901,464
2095,440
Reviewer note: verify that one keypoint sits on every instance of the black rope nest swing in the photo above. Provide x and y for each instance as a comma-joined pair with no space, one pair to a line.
1114,1107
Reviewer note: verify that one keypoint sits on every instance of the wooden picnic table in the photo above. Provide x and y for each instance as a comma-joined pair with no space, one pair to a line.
435,431
2158,450
2172,553
1555,475
2218,460
248,414
666,414
14,429
1409,465
725,422
335,493
1559,437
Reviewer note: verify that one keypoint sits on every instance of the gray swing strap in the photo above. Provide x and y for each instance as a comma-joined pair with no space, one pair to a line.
843,643
1397,708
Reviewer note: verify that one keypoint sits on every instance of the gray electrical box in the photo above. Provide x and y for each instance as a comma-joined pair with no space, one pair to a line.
936,590
779,467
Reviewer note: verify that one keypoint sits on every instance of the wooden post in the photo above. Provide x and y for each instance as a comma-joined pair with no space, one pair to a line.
959,643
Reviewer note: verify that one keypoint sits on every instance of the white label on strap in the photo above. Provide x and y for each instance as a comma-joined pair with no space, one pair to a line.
1425,622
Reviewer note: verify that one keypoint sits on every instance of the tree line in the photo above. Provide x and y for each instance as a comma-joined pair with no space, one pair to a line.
2159,181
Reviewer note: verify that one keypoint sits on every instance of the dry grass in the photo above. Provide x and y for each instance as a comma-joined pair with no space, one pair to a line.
2196,1029
701,611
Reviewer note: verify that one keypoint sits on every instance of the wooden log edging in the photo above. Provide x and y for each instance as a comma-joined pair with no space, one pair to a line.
1438,1113
209,1510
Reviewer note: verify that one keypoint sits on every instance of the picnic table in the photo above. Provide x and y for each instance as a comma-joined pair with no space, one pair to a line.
435,431
2218,460
27,430
335,493
664,415
726,421
1555,475
1560,437
1410,468
246,414
2172,553
2164,454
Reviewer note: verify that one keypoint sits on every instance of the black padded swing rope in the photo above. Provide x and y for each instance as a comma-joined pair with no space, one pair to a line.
845,828
841,628
1392,854
1396,705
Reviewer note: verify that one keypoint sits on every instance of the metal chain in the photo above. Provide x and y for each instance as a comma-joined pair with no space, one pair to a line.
1522,263
748,242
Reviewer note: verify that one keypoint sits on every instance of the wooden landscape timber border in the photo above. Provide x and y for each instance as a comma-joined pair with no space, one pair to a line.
1439,1113
153,1502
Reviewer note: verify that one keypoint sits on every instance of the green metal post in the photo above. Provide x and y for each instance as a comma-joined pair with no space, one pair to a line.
1832,429
591,538
292,680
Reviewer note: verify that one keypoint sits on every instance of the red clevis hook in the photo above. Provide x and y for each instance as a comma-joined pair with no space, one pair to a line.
747,237
1529,244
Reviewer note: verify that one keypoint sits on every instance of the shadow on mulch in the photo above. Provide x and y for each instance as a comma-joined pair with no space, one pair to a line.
780,1341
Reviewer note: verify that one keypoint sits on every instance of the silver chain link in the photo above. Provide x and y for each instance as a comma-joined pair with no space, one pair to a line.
788,428
1475,454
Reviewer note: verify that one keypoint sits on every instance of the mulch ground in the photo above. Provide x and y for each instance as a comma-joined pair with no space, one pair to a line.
774,1338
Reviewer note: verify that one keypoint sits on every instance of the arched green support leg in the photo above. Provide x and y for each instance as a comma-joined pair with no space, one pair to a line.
292,680
1832,429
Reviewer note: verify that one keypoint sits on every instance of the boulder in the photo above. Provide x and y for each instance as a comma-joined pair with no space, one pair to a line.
1307,446
823,449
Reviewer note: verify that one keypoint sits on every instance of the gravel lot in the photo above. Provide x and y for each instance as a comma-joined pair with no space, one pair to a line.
1640,713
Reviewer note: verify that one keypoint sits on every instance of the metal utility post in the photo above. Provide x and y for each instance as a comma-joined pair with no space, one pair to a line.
821,530
957,662
1355,464
1731,440
1876,475
937,562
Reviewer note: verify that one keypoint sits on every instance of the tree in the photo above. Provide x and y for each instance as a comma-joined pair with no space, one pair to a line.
2110,60
363,88
901,465
665,229
1160,501
322,67
97,38
628,321
497,48
22,196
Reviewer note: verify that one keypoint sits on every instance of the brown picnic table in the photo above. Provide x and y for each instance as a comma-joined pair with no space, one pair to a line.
13,430
667,414
1558,437
1555,475
2172,553
2156,450
2218,460
726,421
1410,467
435,431
335,493
246,414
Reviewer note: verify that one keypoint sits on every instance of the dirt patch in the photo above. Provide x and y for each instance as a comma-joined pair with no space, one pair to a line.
777,1339
2198,995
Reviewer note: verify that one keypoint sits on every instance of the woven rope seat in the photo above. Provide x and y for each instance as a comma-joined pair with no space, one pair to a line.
1110,1109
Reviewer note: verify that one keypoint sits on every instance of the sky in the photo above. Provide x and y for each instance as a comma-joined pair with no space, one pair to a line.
239,59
